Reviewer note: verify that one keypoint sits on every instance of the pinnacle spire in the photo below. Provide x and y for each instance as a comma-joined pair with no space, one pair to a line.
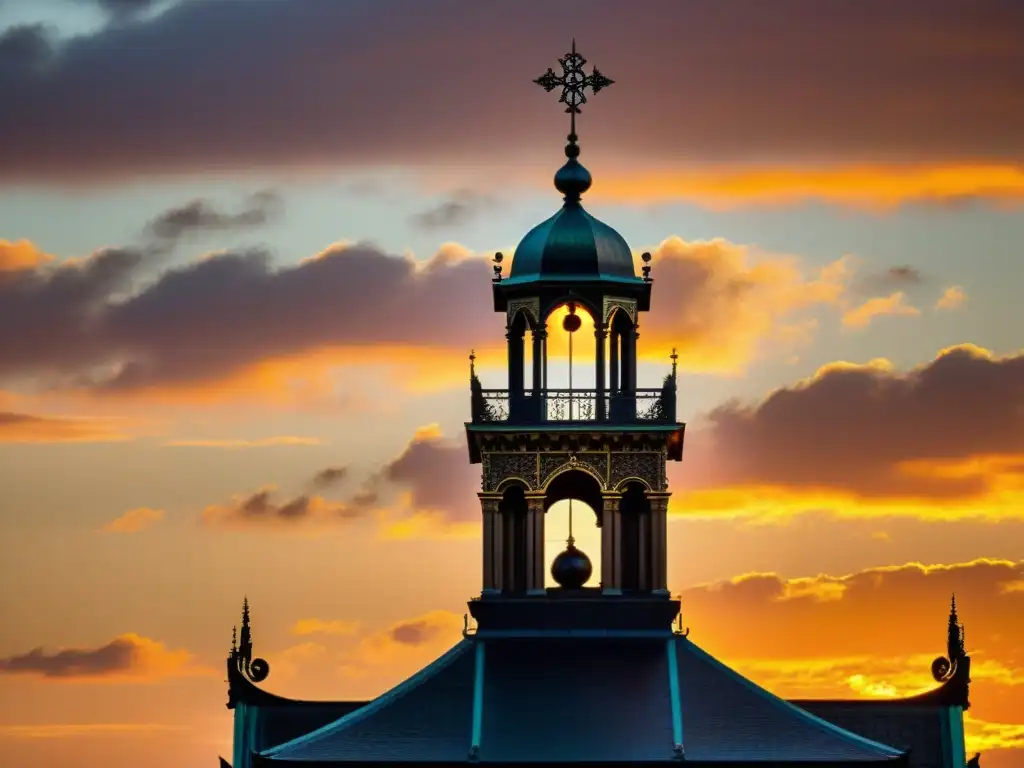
955,633
245,637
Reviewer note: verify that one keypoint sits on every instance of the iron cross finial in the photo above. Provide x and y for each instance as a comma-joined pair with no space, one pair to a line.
573,81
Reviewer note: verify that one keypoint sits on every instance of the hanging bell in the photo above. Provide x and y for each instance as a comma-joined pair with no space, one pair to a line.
572,321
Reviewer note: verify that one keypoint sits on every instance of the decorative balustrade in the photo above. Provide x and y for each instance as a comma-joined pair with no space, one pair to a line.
574,405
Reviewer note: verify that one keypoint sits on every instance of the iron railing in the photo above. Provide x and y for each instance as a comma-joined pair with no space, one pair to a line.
574,405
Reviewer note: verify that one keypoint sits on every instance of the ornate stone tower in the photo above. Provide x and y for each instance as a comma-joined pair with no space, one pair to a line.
606,446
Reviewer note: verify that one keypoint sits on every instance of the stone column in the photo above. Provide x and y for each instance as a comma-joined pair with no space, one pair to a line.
544,375
535,545
644,550
493,562
600,335
613,356
540,335
611,544
516,371
659,559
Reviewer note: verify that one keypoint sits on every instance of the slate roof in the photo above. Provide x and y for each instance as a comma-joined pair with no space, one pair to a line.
558,699
426,718
727,717
916,730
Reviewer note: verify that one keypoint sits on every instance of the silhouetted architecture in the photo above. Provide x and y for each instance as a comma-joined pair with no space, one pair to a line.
577,674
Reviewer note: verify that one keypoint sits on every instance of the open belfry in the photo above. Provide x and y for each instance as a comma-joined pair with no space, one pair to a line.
576,673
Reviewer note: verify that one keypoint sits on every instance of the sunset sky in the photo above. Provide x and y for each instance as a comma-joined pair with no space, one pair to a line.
244,254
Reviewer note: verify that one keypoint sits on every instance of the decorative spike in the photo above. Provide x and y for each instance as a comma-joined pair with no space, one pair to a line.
955,633
245,637
234,640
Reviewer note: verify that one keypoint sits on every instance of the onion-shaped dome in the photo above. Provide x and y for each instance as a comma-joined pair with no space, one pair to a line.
572,244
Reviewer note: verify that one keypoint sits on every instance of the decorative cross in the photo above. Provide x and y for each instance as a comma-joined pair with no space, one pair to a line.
573,81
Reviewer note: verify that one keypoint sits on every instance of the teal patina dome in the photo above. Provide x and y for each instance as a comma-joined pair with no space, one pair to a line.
572,244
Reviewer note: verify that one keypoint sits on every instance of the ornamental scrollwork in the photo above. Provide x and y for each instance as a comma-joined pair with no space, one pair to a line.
530,306
581,467
502,466
611,304
943,669
555,464
648,466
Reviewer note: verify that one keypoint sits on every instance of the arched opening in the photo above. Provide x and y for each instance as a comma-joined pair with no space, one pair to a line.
621,366
571,378
635,510
584,491
512,512
585,532
516,334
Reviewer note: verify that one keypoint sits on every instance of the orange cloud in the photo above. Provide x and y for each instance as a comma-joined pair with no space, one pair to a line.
325,336
21,256
892,305
874,636
134,520
878,188
265,442
304,627
31,428
722,302
982,736
127,658
260,509
909,600
952,298
866,440
426,490
404,644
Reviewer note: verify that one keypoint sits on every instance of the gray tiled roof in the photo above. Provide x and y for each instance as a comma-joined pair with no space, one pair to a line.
563,700
426,718
916,729
551,699
727,717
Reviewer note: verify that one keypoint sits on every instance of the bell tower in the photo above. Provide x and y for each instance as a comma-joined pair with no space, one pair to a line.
605,445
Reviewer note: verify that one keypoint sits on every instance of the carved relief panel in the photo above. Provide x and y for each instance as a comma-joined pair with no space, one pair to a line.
611,467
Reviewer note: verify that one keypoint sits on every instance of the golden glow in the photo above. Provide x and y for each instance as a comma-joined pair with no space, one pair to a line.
232,444
893,305
304,627
873,187
21,255
952,298
584,531
31,428
134,520
781,504
982,736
